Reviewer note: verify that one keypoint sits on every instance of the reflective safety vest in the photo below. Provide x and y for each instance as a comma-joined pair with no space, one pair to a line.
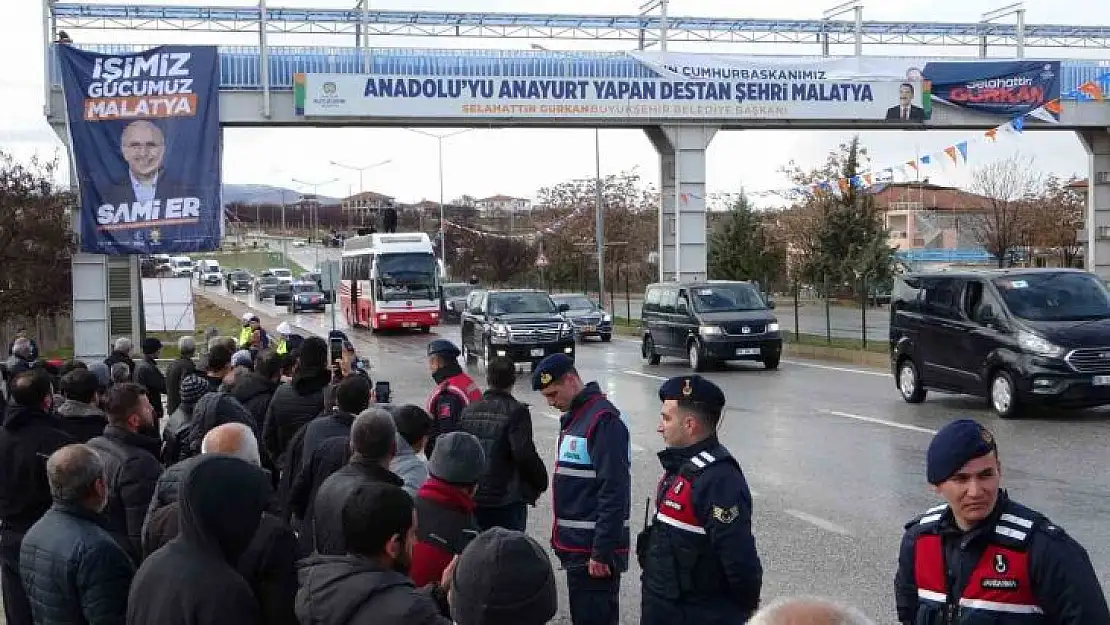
575,487
459,384
282,347
245,337
999,590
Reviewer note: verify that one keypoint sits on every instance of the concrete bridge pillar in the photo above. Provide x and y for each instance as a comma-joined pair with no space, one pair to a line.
683,249
1097,142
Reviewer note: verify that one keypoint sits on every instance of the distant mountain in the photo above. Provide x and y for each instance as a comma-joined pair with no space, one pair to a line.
266,194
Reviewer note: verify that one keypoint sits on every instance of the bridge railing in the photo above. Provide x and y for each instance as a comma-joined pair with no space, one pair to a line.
240,66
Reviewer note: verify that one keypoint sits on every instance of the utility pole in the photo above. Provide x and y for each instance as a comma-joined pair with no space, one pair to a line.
600,228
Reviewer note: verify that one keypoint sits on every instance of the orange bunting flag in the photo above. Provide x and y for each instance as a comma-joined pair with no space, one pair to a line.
1053,107
1092,89
991,134
951,152
912,164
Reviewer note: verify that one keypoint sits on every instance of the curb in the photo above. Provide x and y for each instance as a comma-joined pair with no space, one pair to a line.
837,354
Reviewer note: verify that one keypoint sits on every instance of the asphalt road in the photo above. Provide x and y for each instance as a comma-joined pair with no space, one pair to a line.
846,322
834,457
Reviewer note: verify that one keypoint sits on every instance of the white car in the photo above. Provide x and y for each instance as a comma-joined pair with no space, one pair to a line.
282,274
208,272
182,266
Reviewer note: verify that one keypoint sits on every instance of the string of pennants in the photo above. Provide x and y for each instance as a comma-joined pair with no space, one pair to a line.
873,179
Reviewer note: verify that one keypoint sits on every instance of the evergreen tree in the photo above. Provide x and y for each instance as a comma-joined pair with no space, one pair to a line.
742,247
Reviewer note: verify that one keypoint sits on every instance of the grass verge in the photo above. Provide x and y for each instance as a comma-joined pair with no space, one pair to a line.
631,327
254,261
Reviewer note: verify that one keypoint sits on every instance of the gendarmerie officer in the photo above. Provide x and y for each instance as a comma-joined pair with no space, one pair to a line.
698,555
983,558
591,491
454,390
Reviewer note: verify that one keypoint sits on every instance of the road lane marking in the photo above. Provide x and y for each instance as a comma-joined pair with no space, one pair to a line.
644,375
841,369
877,421
817,521
557,416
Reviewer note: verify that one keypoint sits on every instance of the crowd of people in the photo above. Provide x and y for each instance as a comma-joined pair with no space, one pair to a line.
275,487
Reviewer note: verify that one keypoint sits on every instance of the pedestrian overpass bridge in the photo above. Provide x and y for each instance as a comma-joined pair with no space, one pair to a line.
259,88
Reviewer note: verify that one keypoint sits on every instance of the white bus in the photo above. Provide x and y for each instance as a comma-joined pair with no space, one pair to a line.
390,281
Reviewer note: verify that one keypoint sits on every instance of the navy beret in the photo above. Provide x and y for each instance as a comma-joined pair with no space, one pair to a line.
549,370
953,446
693,388
443,347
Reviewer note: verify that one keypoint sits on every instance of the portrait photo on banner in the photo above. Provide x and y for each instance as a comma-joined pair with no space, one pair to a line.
144,133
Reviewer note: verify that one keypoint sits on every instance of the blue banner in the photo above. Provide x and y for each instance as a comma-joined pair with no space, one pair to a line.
144,132
1004,88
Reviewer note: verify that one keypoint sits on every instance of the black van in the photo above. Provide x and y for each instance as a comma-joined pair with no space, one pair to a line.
1014,336
706,322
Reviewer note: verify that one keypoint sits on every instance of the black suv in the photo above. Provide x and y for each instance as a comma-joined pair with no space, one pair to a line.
238,280
523,325
707,322
1014,336
452,301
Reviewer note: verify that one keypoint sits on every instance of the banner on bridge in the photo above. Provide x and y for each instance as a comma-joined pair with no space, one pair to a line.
1006,89
144,132
752,90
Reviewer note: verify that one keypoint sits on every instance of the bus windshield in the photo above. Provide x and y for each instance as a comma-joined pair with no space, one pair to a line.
406,276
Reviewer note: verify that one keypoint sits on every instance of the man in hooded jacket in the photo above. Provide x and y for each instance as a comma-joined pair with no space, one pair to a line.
193,579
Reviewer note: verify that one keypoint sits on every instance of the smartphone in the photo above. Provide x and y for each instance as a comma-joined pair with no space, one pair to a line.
381,392
335,349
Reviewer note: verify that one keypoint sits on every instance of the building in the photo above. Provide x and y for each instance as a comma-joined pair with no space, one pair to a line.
928,216
366,204
503,204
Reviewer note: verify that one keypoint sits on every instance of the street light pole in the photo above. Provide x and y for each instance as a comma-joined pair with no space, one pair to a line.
316,210
361,169
442,212
600,235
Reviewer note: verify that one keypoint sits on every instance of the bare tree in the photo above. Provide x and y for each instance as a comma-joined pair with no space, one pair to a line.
1055,217
1009,185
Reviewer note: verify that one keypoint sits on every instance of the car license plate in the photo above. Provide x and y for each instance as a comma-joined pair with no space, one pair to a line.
747,351
409,324
1101,380
537,352
589,328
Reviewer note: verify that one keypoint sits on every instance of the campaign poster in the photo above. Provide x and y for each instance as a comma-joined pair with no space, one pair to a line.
1007,89
144,132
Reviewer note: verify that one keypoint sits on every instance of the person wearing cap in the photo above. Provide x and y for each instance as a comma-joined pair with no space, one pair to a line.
981,557
698,555
286,338
503,577
454,390
445,505
591,490
150,376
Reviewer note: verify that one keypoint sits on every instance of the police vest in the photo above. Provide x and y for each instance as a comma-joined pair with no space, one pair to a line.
245,337
679,563
999,590
282,347
459,384
575,487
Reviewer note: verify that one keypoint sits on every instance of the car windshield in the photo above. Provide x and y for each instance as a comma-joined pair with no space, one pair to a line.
1065,296
240,275
520,303
264,280
282,273
726,298
576,303
406,276
304,288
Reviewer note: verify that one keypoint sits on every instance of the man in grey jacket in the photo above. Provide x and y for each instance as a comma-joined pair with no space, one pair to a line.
414,425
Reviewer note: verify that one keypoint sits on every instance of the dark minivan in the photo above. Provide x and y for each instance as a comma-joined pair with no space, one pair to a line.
707,322
1017,337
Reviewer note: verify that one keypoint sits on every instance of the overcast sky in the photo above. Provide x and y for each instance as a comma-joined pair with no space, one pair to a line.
517,162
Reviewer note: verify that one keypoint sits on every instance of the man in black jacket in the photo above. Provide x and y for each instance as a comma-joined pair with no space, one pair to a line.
516,475
178,369
30,433
255,389
367,583
74,570
372,448
131,466
148,374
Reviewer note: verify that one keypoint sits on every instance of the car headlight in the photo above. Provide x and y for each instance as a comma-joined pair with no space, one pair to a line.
500,329
773,326
1036,344
710,331
606,318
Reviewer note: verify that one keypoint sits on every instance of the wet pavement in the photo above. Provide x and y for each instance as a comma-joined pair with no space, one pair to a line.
834,457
